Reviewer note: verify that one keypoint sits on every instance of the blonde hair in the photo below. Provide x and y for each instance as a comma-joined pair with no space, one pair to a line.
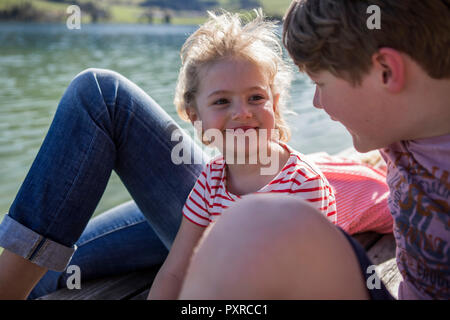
228,36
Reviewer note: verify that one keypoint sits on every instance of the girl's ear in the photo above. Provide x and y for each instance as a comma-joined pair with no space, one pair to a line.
192,114
391,68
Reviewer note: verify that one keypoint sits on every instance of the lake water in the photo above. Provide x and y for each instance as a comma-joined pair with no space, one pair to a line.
37,62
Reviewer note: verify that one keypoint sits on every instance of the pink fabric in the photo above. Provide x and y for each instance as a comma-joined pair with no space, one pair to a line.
361,194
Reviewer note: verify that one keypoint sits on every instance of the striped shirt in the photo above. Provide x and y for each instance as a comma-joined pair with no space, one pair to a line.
298,178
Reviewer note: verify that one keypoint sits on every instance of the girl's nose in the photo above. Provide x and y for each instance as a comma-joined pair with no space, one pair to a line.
241,111
317,101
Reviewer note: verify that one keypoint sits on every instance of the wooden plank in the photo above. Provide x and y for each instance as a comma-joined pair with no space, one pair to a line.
382,250
111,288
141,296
390,276
367,239
135,286
382,254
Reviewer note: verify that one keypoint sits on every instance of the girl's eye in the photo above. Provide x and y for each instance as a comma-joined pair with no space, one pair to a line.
257,97
221,101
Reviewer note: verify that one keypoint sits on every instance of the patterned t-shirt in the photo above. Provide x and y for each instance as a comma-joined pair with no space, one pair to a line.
298,178
419,201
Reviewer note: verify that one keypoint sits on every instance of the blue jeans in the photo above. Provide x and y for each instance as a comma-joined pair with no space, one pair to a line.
104,122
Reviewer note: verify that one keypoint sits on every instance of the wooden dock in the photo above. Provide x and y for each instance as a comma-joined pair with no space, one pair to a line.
135,286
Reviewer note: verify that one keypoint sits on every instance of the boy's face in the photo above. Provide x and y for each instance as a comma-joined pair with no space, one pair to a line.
360,108
234,94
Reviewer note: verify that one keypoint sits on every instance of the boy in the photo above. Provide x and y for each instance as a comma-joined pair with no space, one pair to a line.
390,87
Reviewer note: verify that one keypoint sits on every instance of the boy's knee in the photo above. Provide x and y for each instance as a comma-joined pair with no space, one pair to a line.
258,222
255,231
271,211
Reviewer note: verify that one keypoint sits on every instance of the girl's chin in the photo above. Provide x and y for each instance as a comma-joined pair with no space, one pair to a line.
243,152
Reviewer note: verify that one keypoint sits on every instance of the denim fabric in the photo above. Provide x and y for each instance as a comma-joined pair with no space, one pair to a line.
381,293
104,122
17,238
118,241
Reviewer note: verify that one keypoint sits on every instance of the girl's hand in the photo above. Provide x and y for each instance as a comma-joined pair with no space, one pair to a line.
168,281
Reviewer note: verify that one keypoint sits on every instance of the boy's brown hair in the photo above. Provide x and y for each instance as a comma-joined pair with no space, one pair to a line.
332,35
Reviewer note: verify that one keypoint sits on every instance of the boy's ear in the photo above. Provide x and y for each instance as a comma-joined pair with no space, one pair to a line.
192,114
390,66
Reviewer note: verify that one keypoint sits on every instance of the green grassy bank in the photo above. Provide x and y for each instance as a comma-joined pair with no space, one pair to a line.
128,11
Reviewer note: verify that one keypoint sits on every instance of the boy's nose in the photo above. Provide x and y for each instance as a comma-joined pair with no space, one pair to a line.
317,101
241,111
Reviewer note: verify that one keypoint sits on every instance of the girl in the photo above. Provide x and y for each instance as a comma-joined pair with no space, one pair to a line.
234,80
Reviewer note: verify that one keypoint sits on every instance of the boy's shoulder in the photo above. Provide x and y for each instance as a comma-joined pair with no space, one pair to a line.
419,200
415,157
418,175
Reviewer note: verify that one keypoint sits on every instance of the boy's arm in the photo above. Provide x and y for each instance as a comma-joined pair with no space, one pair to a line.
167,284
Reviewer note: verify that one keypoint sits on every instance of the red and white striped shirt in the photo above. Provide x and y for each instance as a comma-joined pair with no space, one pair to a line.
298,178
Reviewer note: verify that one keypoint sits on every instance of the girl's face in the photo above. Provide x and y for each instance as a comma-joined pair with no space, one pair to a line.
234,93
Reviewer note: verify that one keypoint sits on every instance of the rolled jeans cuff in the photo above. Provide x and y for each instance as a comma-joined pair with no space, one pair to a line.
30,245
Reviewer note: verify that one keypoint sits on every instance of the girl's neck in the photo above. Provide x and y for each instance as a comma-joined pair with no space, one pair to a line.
252,177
